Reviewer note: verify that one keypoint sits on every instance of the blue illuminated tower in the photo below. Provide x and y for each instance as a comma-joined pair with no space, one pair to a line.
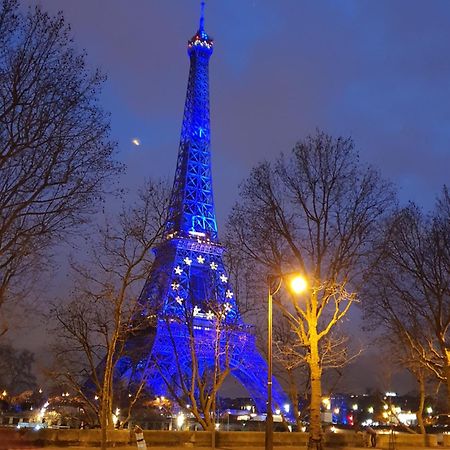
188,279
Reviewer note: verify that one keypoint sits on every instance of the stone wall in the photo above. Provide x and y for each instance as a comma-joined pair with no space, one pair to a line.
239,439
246,439
407,440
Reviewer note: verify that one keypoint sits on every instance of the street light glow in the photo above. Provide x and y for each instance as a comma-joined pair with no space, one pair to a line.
298,284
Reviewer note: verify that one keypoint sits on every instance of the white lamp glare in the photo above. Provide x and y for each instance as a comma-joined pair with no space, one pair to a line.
298,284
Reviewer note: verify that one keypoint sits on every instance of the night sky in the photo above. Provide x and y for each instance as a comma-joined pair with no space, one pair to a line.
378,71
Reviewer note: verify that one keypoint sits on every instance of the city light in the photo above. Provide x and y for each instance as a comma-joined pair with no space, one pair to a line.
298,284
180,420
407,418
115,416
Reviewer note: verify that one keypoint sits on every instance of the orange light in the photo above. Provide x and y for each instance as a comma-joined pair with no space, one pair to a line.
298,284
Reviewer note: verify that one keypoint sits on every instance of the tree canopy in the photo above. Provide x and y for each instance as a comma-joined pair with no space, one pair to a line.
55,149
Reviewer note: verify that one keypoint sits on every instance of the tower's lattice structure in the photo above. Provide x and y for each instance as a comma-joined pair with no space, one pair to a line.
188,278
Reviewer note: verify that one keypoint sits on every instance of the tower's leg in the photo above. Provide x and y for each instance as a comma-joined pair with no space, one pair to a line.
250,369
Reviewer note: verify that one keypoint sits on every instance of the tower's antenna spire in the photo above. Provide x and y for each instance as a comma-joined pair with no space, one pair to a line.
202,17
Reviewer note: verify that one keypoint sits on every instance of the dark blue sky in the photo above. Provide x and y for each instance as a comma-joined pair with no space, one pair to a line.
378,71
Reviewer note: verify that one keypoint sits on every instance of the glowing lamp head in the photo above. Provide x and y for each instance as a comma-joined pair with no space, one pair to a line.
298,284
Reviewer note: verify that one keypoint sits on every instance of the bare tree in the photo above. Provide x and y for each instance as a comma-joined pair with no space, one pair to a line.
202,347
422,376
16,369
410,285
402,356
291,359
290,365
247,283
315,211
55,151
95,326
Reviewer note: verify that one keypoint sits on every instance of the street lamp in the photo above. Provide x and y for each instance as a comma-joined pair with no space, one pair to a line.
297,284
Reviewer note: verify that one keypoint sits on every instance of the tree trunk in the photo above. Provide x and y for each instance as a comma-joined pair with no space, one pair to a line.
103,425
106,422
293,396
447,373
315,422
213,436
419,414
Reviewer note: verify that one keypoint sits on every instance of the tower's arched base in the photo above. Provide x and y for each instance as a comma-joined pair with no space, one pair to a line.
178,352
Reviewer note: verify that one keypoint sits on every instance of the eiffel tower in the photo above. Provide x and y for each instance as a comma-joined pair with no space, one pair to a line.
188,274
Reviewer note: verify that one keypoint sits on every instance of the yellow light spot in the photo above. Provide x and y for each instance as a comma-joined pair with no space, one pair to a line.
298,284
136,142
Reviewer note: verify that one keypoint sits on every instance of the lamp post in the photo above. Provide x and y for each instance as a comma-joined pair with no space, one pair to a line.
297,284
